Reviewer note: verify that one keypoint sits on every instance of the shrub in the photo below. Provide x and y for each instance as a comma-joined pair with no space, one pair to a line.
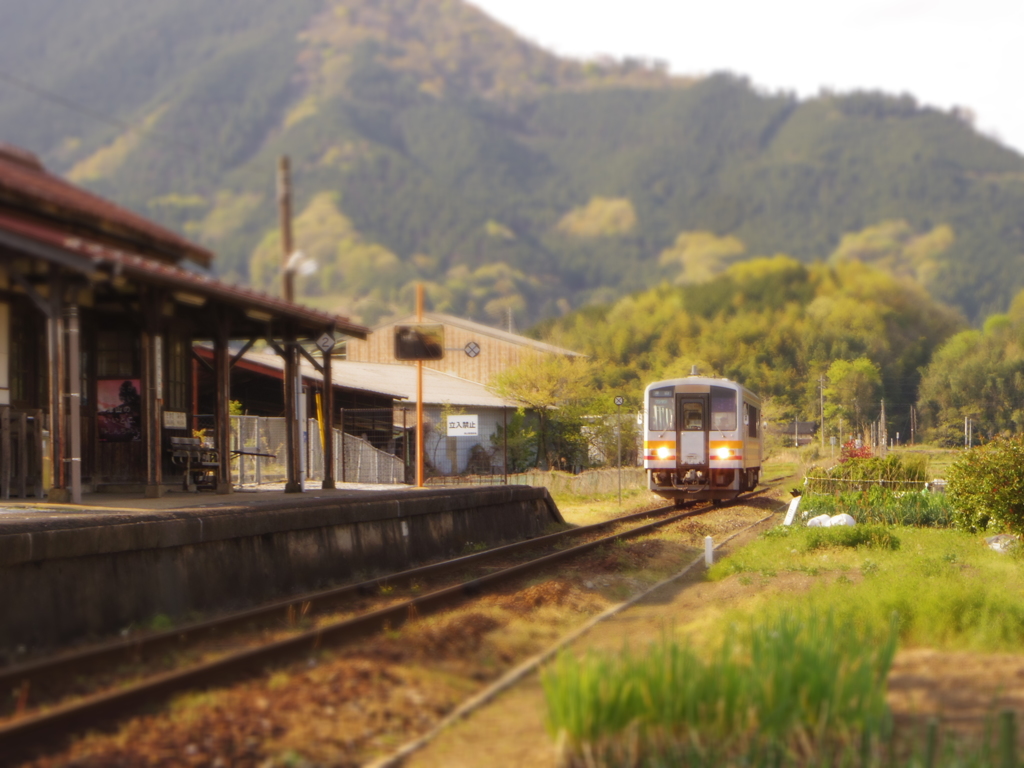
851,451
986,486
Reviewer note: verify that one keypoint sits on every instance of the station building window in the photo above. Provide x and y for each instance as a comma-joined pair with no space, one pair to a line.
117,354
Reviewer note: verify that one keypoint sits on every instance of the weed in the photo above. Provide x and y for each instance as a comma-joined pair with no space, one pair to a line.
159,623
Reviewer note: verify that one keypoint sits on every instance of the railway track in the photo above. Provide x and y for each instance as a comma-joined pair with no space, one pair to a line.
20,735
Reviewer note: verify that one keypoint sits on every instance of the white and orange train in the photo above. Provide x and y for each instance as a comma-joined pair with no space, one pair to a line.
702,438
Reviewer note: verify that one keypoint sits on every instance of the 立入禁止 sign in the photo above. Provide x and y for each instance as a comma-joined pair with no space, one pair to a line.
463,425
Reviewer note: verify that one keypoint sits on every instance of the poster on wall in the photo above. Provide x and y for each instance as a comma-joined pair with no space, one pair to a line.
119,410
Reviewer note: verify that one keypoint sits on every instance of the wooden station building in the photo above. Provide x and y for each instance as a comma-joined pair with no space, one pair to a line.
475,351
99,310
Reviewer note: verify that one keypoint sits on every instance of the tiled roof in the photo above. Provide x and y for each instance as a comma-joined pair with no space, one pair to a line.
154,272
27,186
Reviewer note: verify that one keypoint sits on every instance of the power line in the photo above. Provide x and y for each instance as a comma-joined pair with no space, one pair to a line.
50,96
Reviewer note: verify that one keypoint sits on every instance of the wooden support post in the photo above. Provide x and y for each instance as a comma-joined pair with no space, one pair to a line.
23,455
5,452
149,397
419,395
58,492
37,452
74,352
293,458
342,421
328,422
222,417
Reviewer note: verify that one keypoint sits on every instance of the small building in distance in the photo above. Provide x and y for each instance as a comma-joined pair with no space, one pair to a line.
473,351
795,433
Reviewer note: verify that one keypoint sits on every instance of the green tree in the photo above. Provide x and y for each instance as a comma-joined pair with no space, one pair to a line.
854,391
980,375
558,390
518,441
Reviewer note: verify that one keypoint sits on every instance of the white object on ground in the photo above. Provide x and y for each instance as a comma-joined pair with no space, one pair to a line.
1003,542
843,519
793,505
821,521
709,551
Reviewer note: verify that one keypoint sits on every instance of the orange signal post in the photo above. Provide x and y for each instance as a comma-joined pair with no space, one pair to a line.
419,395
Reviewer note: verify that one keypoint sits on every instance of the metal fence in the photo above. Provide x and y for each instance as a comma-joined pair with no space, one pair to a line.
378,447
260,441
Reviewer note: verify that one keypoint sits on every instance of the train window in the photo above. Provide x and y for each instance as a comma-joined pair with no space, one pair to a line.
693,417
752,417
662,412
723,409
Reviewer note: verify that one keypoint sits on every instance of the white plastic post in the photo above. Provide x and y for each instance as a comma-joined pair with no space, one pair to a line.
791,512
709,551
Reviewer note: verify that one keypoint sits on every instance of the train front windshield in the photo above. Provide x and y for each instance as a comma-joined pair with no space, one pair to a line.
662,411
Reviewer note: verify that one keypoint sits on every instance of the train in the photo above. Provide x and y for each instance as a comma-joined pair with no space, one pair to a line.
702,439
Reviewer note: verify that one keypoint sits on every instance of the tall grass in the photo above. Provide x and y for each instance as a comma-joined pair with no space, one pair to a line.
797,685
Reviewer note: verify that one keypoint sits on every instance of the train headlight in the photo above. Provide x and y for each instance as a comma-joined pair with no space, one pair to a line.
664,453
723,453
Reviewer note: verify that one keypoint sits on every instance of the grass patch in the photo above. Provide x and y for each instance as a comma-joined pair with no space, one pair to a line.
876,536
790,686
598,507
949,590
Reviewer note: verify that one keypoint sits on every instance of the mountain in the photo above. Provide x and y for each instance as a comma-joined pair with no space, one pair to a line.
430,143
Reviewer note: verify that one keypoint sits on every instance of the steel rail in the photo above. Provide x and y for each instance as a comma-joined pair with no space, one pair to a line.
20,734
136,648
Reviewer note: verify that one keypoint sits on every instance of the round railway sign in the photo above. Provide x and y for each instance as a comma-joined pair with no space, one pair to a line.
619,400
472,349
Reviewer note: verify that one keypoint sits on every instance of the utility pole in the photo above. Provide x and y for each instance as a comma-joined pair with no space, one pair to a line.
913,424
883,433
284,204
821,392
292,390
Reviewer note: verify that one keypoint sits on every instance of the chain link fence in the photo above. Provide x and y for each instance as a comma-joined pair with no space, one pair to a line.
258,449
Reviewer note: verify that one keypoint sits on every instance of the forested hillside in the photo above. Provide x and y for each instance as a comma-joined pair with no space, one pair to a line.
779,327
430,143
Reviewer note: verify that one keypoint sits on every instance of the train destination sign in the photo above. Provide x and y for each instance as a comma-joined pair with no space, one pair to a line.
463,425
421,341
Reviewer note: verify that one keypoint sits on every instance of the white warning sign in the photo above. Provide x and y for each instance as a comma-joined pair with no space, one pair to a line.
463,425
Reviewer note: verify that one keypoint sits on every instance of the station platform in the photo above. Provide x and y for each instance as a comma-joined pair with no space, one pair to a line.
71,572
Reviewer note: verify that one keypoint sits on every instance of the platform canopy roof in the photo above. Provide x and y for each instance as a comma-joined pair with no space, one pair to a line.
45,217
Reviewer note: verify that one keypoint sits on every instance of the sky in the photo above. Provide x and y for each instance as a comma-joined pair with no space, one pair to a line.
946,53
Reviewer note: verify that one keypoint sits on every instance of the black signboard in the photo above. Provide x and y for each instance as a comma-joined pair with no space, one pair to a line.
419,342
